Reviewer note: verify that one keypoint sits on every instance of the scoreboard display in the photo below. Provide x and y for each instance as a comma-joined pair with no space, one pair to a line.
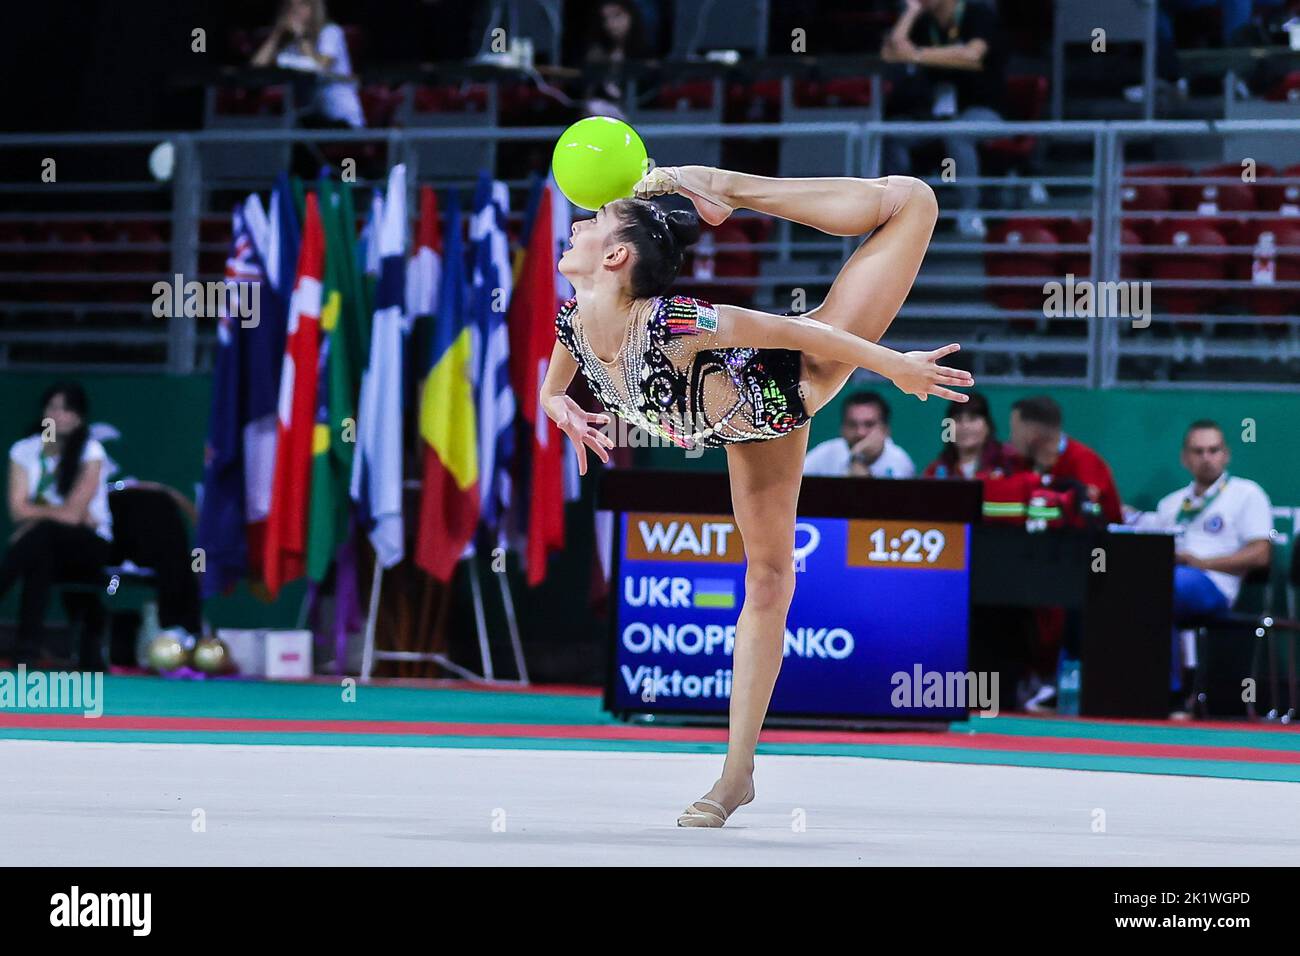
881,610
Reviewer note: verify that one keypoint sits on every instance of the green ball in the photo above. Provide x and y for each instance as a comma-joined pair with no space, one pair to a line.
597,160
166,653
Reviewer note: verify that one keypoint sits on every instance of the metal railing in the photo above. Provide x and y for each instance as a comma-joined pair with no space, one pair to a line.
998,314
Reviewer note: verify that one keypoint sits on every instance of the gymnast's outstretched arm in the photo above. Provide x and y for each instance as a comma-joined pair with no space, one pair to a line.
916,373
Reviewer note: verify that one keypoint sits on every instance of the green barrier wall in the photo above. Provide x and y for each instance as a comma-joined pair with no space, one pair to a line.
164,423
1139,432
163,420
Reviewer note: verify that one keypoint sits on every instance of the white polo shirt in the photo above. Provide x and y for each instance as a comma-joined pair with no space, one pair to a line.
337,100
831,458
42,489
1239,513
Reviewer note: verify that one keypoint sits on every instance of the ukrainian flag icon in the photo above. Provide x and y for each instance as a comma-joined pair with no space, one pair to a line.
714,592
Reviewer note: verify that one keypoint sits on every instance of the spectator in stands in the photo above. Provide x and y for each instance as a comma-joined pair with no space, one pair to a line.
1037,436
864,447
956,52
1225,527
973,450
58,501
616,35
304,39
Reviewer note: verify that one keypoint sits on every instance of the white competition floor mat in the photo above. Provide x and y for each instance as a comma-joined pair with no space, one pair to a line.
136,804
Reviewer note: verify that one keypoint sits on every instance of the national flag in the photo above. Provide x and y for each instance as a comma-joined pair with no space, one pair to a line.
424,270
561,228
344,335
719,593
286,525
377,468
489,300
220,533
532,322
261,360
449,494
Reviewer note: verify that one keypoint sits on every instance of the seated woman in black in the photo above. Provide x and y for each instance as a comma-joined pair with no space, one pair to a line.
58,502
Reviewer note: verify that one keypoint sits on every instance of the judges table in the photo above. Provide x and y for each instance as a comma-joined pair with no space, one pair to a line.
892,576
1122,585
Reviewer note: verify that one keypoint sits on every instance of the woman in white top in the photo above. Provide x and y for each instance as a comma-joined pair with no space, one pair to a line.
304,39
58,502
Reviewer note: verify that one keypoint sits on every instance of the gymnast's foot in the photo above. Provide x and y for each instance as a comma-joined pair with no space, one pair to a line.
702,185
716,807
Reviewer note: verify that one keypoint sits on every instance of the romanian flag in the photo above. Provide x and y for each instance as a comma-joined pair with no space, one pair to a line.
286,525
449,497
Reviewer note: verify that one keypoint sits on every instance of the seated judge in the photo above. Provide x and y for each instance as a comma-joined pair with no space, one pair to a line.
864,448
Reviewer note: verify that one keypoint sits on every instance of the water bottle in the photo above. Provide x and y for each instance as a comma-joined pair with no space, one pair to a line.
1067,688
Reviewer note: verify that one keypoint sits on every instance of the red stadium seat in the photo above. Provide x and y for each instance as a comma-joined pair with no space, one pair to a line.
1220,197
1026,98
16,259
379,102
756,102
1290,205
1079,231
1155,197
1287,89
450,99
848,91
523,104
1045,265
246,101
703,264
1264,237
758,228
1205,267
1268,196
688,95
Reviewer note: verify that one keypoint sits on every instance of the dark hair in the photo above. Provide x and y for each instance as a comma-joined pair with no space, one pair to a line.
73,445
635,46
660,240
1201,423
978,406
1040,409
866,398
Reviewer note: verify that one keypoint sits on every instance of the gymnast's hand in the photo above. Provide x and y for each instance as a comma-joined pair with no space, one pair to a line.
920,374
577,423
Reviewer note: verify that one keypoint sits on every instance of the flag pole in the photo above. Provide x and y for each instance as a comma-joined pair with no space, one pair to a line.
372,615
480,621
508,602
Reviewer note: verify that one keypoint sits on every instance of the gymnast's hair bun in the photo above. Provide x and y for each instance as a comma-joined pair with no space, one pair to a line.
684,226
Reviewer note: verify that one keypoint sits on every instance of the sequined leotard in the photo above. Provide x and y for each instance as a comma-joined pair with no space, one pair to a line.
669,381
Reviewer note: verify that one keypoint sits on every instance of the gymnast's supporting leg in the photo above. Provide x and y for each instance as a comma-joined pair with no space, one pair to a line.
765,478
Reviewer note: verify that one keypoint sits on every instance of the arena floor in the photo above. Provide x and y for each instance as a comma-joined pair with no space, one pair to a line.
421,776
74,803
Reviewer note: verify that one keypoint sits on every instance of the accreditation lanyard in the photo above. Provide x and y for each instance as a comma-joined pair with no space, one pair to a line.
954,28
1191,509
46,483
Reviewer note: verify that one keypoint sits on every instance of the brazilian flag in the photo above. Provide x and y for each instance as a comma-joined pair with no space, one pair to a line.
345,338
